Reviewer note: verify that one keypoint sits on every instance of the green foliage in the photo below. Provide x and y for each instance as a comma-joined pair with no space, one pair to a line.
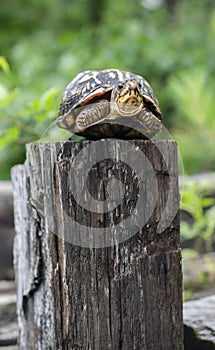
23,119
193,93
198,235
201,208
4,65
45,44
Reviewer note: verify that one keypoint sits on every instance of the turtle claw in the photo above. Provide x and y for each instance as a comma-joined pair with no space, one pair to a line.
66,121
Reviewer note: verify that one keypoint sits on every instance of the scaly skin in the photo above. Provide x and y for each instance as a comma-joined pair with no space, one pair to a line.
91,114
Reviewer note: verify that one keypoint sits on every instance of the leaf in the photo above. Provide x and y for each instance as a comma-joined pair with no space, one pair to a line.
4,65
3,92
207,202
9,135
6,98
49,96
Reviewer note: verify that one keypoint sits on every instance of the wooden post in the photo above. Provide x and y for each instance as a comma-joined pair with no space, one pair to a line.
97,253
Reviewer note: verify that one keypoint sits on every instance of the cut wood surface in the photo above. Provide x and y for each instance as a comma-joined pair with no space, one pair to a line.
99,284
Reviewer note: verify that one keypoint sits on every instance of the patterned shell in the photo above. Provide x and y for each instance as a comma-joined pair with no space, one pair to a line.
90,84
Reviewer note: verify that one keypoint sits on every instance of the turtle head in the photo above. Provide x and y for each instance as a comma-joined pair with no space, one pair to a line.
126,98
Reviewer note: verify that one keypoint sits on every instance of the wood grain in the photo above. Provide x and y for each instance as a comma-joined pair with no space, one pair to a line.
127,295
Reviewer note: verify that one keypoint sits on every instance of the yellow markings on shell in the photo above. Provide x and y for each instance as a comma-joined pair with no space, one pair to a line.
87,86
81,77
112,74
120,75
84,90
91,86
128,75
96,79
84,78
146,83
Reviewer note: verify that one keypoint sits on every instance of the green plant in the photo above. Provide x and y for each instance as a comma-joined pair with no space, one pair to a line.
193,93
202,210
23,119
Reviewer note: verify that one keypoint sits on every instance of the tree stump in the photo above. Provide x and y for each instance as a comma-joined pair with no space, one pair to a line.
97,251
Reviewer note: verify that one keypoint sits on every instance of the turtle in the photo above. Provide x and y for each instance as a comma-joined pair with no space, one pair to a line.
110,103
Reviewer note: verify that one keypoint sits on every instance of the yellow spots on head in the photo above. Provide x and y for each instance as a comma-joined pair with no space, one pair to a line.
129,96
128,92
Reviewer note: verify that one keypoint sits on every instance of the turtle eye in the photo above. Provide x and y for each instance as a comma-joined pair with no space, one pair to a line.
120,86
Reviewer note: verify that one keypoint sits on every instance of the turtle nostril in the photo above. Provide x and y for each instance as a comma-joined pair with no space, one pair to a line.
120,86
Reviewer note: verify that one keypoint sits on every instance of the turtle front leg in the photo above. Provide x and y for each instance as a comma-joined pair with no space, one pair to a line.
150,125
91,114
144,126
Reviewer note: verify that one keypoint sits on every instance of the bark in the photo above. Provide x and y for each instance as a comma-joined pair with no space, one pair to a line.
103,282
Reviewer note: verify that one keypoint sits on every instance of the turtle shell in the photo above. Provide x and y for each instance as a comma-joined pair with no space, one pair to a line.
92,85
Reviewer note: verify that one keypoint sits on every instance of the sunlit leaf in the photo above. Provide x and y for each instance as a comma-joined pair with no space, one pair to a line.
49,96
3,92
9,135
4,65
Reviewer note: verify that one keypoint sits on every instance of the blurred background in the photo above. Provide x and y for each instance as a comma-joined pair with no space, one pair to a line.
44,44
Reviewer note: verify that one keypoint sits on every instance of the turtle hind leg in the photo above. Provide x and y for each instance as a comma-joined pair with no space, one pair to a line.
90,114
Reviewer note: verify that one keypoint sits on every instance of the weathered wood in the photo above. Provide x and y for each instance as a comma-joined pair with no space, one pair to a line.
6,230
99,284
8,321
199,322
